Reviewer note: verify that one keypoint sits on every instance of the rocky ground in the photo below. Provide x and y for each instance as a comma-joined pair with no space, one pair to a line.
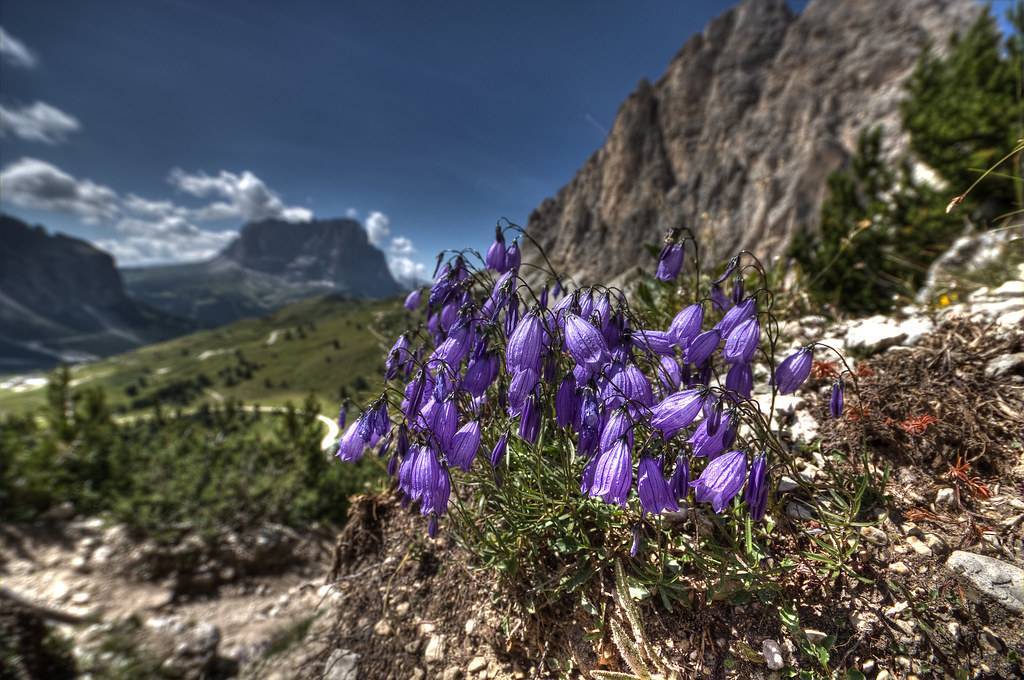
939,584
186,611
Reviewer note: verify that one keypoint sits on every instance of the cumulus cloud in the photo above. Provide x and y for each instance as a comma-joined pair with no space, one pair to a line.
14,52
152,232
35,184
244,196
378,228
407,272
398,250
400,245
163,239
39,122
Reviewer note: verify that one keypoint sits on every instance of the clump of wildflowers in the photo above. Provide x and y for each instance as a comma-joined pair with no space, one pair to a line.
654,418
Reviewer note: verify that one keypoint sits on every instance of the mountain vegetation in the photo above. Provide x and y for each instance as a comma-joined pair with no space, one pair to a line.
882,226
326,347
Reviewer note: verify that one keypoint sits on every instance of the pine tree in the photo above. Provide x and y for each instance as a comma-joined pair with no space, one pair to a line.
964,111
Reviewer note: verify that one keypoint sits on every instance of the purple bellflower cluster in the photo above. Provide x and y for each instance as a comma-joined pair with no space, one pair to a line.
655,415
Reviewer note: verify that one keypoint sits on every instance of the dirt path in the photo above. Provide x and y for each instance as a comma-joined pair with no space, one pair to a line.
67,572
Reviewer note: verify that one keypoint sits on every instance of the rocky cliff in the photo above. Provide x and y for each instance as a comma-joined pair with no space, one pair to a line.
335,251
269,265
63,299
736,139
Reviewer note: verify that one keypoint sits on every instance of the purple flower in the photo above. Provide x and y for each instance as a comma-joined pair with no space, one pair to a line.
584,343
835,402
721,480
737,290
709,445
512,256
617,425
656,342
680,482
465,444
756,494
498,452
702,347
686,325
612,474
730,267
351,445
714,418
397,357
412,300
342,416
566,402
629,385
522,384
634,548
669,374
444,420
670,261
740,379
676,411
742,342
524,345
737,315
529,421
793,370
718,299
480,374
496,253
654,492
456,346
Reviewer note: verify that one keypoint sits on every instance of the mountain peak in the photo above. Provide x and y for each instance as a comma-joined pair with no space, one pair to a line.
736,139
335,251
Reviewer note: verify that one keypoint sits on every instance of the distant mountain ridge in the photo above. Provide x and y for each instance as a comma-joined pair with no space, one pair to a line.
737,138
62,299
270,264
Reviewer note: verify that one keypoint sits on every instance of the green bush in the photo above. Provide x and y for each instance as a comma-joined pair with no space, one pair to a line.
211,469
880,229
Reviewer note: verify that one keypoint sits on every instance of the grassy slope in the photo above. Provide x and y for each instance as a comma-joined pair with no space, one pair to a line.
302,360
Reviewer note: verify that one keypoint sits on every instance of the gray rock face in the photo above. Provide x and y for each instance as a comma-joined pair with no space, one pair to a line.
63,299
736,139
998,580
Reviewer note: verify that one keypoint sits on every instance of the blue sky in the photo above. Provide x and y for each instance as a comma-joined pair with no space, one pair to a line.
440,116
156,128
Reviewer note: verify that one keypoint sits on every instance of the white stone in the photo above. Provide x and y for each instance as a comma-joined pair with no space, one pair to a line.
814,636
772,655
919,546
477,663
1010,289
434,652
999,580
874,535
342,665
899,568
946,497
878,332
787,484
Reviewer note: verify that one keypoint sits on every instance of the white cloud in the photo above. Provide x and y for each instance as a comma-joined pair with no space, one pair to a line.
245,196
147,231
407,272
162,240
37,123
14,52
35,184
351,213
397,249
400,245
154,232
378,228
